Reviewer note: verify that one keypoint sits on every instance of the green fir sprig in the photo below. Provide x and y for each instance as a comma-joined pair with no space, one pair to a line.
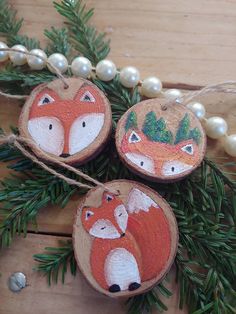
204,203
59,41
10,27
146,302
55,261
84,37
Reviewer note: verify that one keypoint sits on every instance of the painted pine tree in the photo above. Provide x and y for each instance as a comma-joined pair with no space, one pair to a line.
156,130
131,121
184,133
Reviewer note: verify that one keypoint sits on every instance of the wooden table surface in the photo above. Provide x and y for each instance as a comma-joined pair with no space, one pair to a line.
182,42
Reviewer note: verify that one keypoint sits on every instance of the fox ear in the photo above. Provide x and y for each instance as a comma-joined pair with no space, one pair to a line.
139,201
87,94
134,137
45,97
107,197
188,149
87,97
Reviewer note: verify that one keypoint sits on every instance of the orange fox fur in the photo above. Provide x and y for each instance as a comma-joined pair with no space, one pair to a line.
66,111
160,153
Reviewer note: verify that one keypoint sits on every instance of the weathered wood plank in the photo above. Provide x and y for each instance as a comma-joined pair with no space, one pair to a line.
75,296
186,41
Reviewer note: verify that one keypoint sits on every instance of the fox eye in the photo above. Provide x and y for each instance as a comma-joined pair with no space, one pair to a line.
88,97
46,99
88,214
109,198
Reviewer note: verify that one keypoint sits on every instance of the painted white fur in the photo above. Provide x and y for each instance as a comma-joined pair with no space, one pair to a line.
171,168
137,201
121,216
141,161
104,229
48,133
121,268
82,136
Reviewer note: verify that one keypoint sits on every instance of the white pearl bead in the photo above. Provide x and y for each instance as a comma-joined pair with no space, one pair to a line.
174,94
151,87
18,58
81,67
106,70
129,77
37,63
59,61
3,54
230,145
198,109
216,127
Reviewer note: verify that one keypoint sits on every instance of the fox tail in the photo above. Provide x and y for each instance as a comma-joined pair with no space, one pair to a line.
150,228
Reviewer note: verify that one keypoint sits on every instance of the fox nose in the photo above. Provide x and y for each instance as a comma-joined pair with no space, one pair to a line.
64,155
122,235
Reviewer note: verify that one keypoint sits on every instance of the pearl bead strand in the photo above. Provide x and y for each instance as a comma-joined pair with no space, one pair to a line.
151,87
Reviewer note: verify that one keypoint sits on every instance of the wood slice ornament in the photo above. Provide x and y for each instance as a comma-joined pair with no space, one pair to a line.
124,244
160,143
71,124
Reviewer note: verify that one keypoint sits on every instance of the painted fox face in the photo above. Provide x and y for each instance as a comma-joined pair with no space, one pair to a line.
109,221
159,158
64,127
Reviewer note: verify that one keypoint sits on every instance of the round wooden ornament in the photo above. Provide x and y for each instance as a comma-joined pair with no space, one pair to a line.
160,143
124,244
71,124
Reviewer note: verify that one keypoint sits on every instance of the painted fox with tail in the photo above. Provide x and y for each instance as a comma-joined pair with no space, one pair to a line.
131,242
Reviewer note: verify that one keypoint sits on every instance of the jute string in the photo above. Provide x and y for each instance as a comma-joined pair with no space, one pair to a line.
228,87
19,142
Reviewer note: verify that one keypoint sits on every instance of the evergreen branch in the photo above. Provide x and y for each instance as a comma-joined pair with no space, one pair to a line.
221,174
22,198
83,37
21,81
206,291
206,216
10,26
56,260
145,302
59,41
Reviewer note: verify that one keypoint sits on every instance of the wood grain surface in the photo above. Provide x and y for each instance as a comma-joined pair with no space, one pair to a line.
185,41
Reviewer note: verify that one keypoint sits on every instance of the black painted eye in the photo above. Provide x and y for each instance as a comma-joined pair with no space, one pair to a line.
141,163
88,214
120,214
83,124
50,126
46,100
103,228
172,169
109,198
